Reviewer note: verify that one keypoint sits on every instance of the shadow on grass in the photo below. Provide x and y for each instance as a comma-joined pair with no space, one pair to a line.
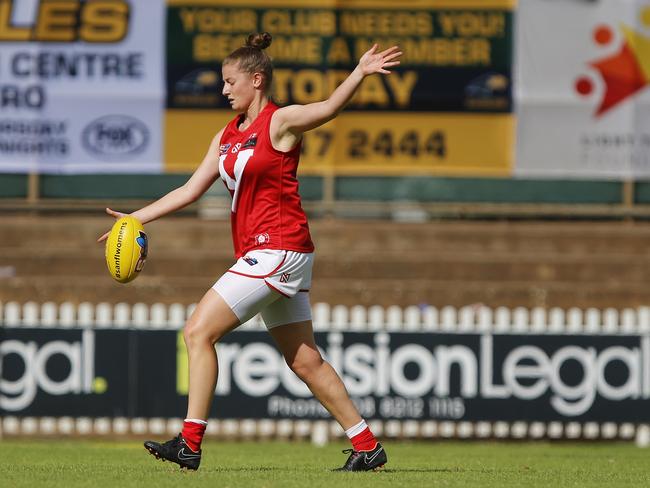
421,470
266,469
261,469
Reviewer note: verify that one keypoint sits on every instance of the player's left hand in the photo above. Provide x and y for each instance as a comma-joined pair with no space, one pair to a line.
114,214
374,62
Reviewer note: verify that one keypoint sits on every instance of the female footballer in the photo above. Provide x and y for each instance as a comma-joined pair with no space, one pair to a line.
256,155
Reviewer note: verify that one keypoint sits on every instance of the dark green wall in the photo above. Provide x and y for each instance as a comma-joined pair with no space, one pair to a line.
369,188
479,190
13,186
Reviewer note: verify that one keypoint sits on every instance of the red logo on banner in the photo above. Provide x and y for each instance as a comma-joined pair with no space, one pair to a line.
623,73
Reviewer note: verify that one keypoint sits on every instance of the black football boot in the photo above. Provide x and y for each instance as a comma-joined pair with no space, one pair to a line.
365,460
176,451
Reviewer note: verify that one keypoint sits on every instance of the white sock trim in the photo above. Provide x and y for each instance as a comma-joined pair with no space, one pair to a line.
197,421
356,429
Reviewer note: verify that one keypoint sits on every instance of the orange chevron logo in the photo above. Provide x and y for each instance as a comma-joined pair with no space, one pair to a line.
625,73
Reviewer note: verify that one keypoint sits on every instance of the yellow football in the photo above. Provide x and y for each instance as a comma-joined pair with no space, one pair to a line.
126,249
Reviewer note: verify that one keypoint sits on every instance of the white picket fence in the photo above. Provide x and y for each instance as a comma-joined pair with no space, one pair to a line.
320,432
338,317
357,318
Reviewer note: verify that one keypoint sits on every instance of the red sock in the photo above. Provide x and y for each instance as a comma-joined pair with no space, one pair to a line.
364,441
193,434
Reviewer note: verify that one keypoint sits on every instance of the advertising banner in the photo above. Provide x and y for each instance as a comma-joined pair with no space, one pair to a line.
446,109
583,109
398,375
82,86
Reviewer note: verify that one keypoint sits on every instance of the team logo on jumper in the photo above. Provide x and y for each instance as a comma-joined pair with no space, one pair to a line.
223,149
625,73
250,261
262,239
251,142
284,278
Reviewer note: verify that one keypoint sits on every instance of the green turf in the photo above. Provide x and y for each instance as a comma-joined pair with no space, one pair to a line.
68,464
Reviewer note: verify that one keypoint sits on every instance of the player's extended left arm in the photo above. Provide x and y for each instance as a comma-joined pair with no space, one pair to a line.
301,118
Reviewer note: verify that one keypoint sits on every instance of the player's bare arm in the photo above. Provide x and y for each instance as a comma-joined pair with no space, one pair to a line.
197,185
289,123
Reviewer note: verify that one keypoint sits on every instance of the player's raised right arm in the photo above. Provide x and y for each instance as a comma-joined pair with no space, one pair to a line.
197,185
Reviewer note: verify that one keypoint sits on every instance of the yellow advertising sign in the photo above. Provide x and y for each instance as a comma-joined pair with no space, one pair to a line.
188,133
399,143
392,143
445,110
382,4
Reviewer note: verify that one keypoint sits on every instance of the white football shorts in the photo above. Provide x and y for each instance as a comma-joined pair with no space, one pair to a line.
272,283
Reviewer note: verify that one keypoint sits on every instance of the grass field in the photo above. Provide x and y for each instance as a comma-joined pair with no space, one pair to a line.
273,464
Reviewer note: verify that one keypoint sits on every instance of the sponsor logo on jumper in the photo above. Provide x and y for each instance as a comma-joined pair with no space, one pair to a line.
251,142
625,73
236,148
285,278
223,149
115,137
261,239
250,261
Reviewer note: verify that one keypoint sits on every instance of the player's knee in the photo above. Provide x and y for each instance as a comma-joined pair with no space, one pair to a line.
198,333
195,334
190,332
306,365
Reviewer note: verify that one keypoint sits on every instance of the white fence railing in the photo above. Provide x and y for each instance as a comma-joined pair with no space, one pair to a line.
322,431
338,317
476,318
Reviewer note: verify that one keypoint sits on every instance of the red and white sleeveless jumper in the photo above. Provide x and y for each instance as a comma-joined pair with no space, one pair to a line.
266,211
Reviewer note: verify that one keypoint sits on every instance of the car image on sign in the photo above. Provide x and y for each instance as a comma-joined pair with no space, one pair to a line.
115,137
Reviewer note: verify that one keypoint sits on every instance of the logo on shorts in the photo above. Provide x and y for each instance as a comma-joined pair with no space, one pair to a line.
262,239
284,278
250,261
